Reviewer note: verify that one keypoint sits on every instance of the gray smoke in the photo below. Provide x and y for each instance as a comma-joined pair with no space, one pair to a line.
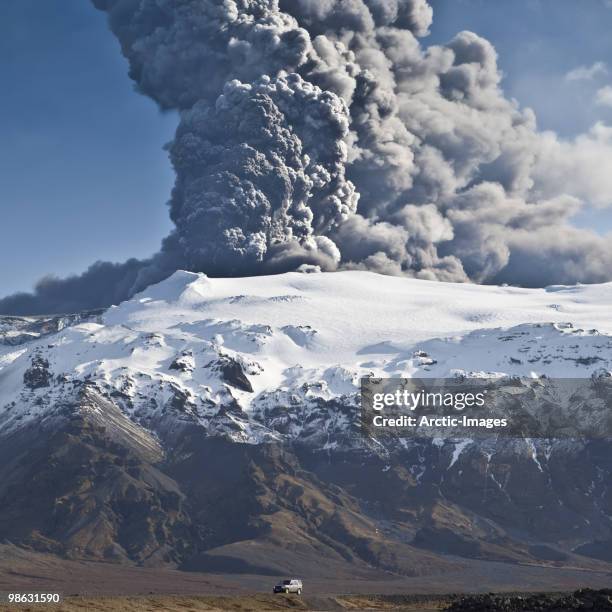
321,133
261,175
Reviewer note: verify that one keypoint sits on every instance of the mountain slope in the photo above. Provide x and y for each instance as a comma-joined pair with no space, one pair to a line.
214,424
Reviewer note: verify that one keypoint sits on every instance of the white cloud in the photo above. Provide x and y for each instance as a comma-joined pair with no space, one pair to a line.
604,96
578,167
587,73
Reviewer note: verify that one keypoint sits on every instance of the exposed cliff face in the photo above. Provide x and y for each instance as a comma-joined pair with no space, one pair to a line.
213,424
19,330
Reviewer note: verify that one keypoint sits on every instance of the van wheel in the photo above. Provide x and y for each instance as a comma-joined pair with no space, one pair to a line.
299,591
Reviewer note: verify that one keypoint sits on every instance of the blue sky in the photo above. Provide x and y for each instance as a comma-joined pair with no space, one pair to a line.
82,172
538,43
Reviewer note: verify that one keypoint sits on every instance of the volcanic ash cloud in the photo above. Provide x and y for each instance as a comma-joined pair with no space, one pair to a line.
321,134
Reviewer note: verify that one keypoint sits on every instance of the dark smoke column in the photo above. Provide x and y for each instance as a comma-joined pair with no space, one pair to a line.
274,99
260,153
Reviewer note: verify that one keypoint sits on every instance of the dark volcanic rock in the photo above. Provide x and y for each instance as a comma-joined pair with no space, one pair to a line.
584,599
179,400
182,363
232,373
37,375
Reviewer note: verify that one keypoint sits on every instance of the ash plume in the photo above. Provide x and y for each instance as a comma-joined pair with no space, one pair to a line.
323,133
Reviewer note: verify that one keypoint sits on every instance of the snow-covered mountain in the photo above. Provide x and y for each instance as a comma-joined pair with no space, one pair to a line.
132,400
254,345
